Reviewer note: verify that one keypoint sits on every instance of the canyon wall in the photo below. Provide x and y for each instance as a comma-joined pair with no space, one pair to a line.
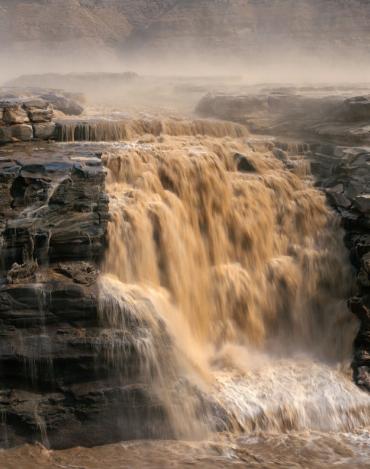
253,29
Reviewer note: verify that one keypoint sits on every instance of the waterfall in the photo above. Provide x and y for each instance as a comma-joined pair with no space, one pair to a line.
226,274
105,130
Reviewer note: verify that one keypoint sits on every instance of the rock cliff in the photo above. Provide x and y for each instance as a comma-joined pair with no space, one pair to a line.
246,27
53,218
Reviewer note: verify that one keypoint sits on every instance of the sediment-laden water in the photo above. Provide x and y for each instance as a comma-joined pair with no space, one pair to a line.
234,269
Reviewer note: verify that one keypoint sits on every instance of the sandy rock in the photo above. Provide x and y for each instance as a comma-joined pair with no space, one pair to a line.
15,114
67,105
21,272
44,130
40,115
22,132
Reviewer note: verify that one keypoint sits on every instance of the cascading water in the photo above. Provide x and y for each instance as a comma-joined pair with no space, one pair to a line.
226,274
108,130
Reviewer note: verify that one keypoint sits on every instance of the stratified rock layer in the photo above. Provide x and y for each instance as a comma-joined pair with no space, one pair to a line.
25,120
312,114
56,385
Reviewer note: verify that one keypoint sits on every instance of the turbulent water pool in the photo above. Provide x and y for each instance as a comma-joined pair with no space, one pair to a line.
313,450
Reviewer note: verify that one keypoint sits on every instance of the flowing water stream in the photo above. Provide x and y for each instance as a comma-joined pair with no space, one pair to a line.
227,275
237,280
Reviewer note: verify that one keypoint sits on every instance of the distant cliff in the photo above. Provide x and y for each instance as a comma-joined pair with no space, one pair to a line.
238,26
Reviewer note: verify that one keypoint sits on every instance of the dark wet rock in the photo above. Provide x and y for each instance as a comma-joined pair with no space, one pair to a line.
337,197
356,109
362,202
244,164
344,174
280,154
362,376
56,385
81,272
21,273
58,208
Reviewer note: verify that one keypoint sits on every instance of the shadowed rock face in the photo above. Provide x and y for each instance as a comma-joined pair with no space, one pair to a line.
53,218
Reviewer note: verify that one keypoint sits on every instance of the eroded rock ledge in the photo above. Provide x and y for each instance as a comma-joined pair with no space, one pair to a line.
32,117
53,219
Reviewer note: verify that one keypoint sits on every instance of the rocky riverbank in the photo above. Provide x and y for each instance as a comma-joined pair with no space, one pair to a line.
28,115
53,218
344,174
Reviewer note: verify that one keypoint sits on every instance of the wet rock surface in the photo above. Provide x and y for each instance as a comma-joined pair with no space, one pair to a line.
321,115
344,174
56,384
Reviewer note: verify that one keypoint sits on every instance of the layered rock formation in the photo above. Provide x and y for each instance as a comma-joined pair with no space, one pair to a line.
24,121
344,174
31,118
53,219
333,115
243,27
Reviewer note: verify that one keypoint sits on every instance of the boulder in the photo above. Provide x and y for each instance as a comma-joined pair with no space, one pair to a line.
40,115
66,105
5,134
280,154
244,164
357,108
362,202
44,131
83,273
20,273
21,132
36,103
337,197
365,261
14,114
